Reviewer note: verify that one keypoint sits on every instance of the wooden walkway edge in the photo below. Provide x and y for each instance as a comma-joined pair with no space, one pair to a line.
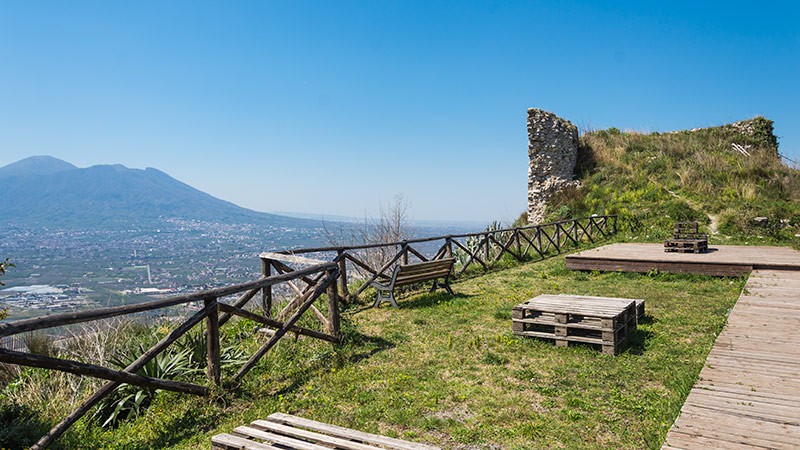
748,392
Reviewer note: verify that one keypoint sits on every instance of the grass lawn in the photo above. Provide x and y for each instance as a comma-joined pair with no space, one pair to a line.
448,371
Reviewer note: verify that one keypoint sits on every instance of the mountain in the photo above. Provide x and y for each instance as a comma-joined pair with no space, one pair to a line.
45,191
35,165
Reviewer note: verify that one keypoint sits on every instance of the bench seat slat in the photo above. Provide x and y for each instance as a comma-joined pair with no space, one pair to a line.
272,438
231,442
346,433
311,436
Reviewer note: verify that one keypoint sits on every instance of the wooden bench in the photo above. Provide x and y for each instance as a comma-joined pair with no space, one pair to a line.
405,274
686,238
284,431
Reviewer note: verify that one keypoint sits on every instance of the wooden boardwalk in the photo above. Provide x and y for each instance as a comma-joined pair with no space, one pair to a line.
748,392
721,260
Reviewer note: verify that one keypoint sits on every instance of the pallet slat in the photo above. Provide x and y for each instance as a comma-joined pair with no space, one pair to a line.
287,432
565,319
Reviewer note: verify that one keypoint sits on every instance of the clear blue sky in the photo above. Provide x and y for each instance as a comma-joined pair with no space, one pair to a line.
335,106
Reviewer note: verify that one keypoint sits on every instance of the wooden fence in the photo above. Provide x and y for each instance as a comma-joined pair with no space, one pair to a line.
309,284
305,285
481,248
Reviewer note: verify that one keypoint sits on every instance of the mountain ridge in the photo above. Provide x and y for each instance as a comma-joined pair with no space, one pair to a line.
46,191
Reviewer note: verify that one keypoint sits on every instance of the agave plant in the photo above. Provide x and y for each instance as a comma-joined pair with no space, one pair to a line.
473,243
129,401
195,343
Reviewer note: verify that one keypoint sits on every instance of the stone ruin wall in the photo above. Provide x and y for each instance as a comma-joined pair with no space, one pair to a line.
553,151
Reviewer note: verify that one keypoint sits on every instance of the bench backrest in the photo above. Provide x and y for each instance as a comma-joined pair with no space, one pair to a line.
687,230
423,271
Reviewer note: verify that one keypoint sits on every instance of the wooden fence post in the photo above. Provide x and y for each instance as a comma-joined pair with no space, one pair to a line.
342,273
449,247
212,343
404,249
266,291
486,247
333,308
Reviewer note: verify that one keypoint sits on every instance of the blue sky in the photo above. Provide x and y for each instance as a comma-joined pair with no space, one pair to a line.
335,107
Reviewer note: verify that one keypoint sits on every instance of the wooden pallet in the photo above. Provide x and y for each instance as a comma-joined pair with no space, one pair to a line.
640,312
686,245
602,321
287,432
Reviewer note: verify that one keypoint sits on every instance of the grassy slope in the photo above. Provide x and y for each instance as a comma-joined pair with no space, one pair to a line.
652,180
448,371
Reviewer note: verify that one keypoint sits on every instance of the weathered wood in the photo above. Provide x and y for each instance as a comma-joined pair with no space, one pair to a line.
726,260
414,273
472,257
333,325
53,320
435,238
266,291
603,321
284,269
340,258
346,433
240,302
417,254
746,395
380,272
320,288
67,422
231,442
586,232
213,368
360,263
92,370
277,324
311,436
283,257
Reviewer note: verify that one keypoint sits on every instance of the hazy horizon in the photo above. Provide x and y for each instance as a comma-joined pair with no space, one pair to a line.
334,108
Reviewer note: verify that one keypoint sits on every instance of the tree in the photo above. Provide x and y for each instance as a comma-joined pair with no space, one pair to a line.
393,225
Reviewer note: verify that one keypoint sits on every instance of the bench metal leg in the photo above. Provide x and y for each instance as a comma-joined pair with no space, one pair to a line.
445,285
385,296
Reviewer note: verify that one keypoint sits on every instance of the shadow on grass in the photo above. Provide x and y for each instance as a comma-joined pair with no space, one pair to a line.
20,427
431,299
637,341
647,320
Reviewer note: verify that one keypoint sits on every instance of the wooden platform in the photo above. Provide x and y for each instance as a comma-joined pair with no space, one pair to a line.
748,392
566,319
287,432
721,260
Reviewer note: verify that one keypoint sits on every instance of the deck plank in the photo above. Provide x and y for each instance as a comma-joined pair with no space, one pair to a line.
721,260
747,393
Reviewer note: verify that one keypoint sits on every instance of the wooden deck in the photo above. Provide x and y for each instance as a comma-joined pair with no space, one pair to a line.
721,260
748,392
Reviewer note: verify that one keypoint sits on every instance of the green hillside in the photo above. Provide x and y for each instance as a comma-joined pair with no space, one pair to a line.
652,180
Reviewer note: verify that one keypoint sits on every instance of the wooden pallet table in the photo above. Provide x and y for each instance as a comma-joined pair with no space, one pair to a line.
686,245
686,238
640,312
566,319
287,432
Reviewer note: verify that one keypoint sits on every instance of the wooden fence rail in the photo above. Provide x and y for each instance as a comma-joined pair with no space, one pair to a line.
306,285
481,248
319,279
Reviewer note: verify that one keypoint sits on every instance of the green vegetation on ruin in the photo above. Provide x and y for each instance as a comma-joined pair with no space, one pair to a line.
651,180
